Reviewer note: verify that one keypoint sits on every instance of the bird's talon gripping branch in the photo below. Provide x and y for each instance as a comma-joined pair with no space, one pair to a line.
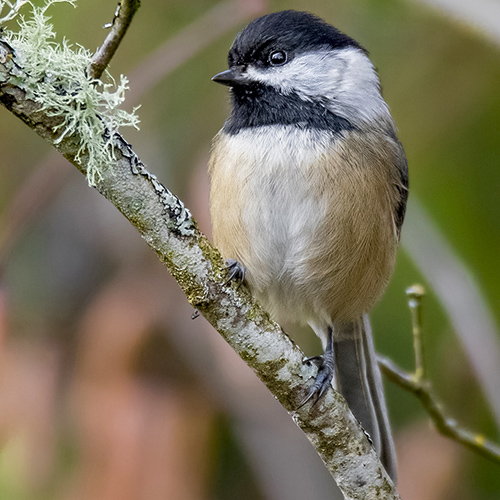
236,272
326,369
317,360
321,384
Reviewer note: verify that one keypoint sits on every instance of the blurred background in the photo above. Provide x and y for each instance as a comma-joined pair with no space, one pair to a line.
109,390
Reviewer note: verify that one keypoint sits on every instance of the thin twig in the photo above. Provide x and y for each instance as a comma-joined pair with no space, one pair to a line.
418,385
415,294
461,297
123,17
446,426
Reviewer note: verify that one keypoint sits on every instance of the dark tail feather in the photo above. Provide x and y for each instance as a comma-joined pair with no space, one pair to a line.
359,380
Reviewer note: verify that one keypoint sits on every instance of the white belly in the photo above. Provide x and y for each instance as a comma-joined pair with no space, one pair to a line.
279,212
297,225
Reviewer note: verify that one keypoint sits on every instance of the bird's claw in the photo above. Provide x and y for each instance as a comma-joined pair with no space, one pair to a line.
317,360
323,379
236,272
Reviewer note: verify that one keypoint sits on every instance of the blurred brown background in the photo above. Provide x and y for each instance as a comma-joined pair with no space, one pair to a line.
108,389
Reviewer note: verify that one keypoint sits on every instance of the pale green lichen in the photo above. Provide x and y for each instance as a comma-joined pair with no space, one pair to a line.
9,10
56,77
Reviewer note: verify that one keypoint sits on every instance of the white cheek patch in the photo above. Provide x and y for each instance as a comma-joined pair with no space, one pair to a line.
307,74
344,80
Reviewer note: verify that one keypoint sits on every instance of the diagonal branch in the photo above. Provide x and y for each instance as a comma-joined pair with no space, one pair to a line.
168,228
119,26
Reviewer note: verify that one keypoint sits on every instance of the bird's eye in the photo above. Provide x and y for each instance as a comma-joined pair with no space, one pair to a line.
277,58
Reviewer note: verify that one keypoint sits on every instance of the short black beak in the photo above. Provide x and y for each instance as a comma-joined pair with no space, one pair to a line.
230,77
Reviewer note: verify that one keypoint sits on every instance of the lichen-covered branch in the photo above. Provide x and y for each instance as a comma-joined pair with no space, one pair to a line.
168,228
118,27
417,384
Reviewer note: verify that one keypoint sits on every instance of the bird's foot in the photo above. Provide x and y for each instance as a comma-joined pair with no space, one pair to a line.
236,272
323,378
317,360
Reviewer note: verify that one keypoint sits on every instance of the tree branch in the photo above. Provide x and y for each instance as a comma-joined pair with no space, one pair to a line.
170,231
119,26
446,426
417,384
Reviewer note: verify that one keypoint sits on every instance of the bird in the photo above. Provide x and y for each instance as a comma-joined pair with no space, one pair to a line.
308,192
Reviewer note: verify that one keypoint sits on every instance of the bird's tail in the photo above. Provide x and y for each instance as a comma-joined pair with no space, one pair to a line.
359,380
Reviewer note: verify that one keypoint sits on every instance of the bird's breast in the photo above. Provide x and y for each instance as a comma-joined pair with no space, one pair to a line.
309,219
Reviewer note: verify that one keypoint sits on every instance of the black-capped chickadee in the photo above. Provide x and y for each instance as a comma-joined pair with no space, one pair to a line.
308,194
